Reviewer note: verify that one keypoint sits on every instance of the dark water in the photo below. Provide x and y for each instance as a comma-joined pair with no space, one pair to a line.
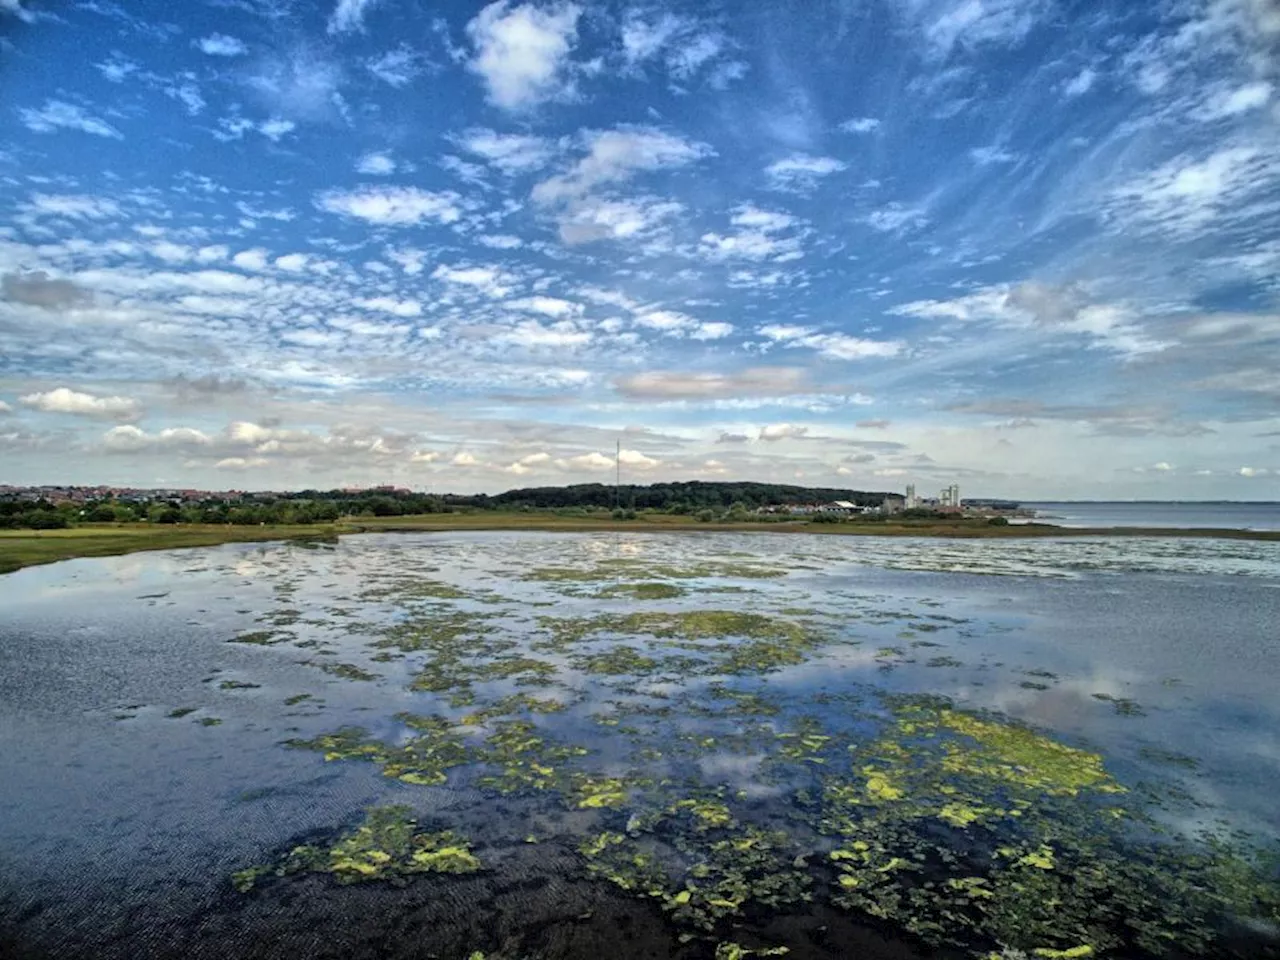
123,822
1216,516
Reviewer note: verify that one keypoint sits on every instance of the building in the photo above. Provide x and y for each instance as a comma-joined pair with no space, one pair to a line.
950,496
912,500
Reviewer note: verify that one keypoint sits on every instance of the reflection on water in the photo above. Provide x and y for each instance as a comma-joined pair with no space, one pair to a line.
563,745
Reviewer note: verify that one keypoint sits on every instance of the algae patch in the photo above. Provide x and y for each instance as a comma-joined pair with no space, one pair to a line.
386,847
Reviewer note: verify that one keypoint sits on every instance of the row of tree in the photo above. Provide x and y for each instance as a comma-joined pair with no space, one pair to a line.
735,500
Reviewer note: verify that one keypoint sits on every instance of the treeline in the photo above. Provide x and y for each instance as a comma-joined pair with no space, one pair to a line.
317,506
689,497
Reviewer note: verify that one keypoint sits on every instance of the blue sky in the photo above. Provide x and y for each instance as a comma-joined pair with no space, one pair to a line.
1032,247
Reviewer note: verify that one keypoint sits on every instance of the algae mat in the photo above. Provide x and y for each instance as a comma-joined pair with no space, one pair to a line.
555,745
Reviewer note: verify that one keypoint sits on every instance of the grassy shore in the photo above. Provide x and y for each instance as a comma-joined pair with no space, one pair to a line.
24,548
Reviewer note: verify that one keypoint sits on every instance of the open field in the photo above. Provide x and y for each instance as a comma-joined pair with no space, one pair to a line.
24,548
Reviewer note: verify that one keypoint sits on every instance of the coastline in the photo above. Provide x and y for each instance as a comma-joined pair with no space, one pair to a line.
26,548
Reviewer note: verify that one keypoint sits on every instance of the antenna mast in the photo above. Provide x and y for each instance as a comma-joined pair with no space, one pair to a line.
617,476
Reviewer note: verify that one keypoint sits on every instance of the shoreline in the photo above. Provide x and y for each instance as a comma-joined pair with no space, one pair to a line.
26,548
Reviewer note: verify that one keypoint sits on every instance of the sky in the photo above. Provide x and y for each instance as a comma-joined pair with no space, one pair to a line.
1031,247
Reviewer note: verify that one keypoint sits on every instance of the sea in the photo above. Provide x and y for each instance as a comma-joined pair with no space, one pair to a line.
1166,514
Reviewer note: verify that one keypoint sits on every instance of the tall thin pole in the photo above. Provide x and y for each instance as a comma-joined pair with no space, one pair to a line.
617,476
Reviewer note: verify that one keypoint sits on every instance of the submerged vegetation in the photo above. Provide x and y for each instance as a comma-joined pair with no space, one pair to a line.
386,847
730,760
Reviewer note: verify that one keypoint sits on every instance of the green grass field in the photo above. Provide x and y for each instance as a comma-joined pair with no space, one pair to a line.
24,548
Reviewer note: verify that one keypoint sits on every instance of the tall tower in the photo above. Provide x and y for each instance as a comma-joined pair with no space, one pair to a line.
911,496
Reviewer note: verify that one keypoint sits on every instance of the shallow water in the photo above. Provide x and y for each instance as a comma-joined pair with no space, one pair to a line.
145,755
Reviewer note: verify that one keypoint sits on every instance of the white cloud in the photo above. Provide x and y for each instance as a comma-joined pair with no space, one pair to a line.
500,241
1051,310
397,68
950,24
392,206
988,156
5,408
547,306
221,45
1226,103
241,463
680,385
861,125
614,156
1185,196
1254,471
757,237
276,128
643,39
637,460
1081,83
348,15
63,400
712,331
512,153
254,259
424,456
522,52
399,308
588,461
801,172
60,115
376,164
490,280
896,217
71,206
837,345
464,459
782,431
531,334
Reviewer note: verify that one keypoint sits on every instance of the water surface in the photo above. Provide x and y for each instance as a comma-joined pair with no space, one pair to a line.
650,745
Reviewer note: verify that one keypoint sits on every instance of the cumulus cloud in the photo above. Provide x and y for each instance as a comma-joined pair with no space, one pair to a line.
221,45
376,164
522,52
38,289
782,431
392,206
59,115
758,235
860,125
511,153
64,400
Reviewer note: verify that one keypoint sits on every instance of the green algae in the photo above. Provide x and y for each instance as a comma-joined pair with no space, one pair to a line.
347,671
262,638
180,712
640,591
238,685
423,759
209,721
386,847
1123,706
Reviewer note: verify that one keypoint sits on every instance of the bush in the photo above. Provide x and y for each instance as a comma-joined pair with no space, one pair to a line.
998,522
826,518
705,515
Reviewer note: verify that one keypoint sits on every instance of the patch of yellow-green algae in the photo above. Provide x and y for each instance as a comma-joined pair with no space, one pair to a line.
387,846
963,829
634,569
